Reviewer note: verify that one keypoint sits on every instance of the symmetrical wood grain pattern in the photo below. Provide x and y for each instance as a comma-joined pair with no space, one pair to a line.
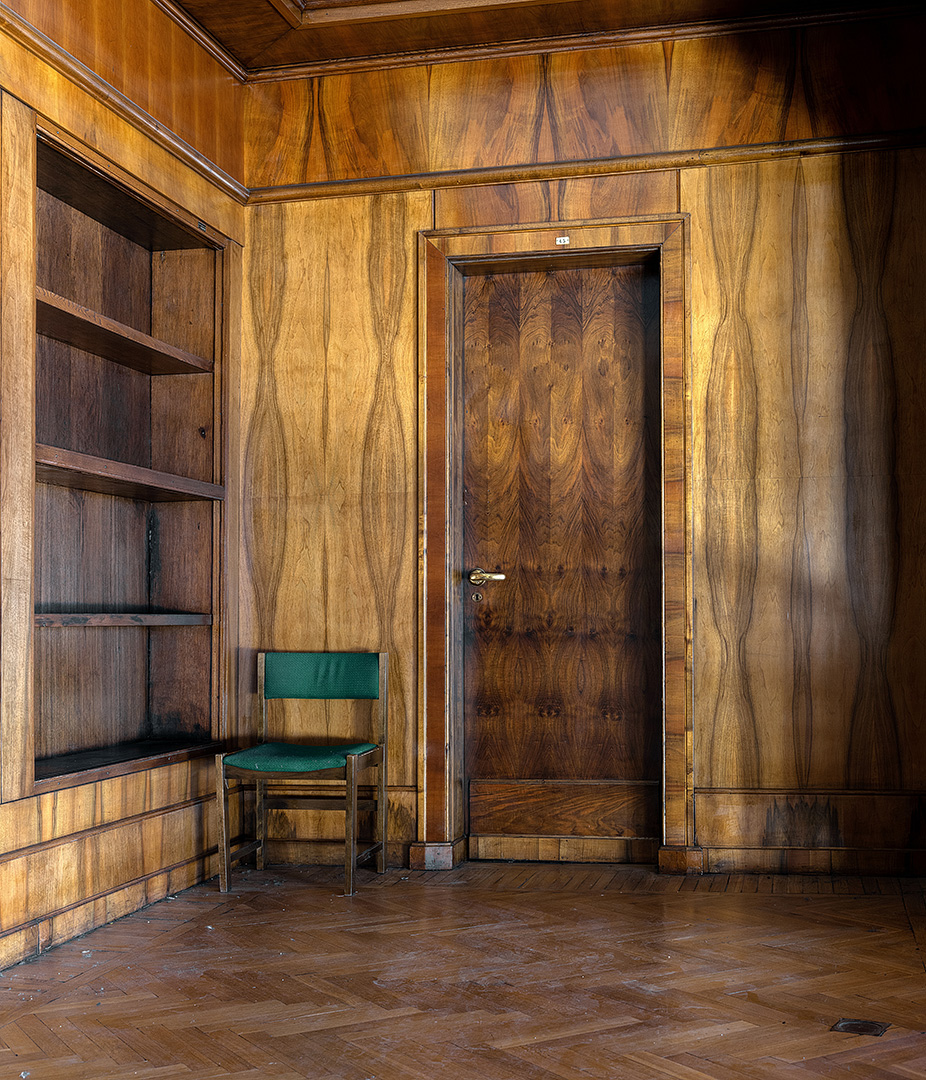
487,971
734,89
808,488
329,397
628,195
561,491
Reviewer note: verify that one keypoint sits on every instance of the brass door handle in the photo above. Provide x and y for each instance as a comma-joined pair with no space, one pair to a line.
480,576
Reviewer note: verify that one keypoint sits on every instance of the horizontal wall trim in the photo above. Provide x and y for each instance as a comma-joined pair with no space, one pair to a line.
814,793
565,43
657,162
98,830
49,52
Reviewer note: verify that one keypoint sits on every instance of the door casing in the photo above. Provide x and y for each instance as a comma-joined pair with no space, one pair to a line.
445,257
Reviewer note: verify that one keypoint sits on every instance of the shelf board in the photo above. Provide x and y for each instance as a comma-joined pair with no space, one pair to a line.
67,321
68,468
83,186
121,618
85,766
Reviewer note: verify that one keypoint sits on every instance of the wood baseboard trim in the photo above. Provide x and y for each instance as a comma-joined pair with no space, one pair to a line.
681,860
431,856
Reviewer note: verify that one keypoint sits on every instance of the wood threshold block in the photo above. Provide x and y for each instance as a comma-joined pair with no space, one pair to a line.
70,322
84,766
121,618
68,468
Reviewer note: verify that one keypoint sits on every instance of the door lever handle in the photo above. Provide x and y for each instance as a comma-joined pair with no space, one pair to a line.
480,576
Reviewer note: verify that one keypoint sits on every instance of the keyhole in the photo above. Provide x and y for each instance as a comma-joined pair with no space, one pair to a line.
477,596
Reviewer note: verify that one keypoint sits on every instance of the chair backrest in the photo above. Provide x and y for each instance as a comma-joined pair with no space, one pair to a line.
324,676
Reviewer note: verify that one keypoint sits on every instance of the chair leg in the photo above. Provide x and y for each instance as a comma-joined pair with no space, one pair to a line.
260,811
382,816
221,809
350,826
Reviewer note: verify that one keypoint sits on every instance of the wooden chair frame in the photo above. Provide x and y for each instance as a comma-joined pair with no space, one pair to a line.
312,796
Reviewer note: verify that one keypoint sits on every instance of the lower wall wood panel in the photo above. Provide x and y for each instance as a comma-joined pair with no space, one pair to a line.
759,819
75,858
862,861
42,882
42,934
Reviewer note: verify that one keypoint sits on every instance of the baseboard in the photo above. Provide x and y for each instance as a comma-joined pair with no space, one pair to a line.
681,860
436,856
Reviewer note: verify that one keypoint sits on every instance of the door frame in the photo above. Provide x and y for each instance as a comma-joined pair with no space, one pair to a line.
444,258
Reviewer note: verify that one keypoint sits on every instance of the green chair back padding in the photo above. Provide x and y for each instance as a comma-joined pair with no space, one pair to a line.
287,757
321,675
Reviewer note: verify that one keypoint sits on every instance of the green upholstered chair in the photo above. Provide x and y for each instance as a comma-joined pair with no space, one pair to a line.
286,774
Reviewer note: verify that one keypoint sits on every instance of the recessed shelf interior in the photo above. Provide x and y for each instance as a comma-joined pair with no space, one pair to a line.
127,594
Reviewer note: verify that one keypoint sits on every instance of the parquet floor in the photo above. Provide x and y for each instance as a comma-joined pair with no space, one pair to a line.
487,972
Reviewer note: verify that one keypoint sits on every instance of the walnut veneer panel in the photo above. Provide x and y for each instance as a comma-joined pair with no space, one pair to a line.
561,492
808,401
144,54
623,195
328,441
735,89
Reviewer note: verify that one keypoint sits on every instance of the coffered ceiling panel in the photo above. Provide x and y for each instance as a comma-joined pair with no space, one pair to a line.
267,35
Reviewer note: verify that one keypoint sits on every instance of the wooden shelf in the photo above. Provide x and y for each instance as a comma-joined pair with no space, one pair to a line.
84,766
67,468
121,618
67,321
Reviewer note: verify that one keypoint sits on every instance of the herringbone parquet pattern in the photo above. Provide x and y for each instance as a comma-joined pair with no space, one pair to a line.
488,972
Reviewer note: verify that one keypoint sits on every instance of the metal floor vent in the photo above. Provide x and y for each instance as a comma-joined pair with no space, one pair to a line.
860,1027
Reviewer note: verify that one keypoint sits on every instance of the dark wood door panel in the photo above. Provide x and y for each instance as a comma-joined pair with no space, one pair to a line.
560,491
543,807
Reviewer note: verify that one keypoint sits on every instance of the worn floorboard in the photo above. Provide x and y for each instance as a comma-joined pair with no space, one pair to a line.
486,972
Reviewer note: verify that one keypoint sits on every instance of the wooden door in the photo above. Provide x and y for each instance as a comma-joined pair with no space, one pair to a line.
561,493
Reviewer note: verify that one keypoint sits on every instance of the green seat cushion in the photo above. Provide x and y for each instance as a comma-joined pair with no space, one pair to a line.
290,757
321,675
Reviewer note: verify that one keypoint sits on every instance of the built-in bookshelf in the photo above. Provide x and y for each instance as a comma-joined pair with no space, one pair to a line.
129,476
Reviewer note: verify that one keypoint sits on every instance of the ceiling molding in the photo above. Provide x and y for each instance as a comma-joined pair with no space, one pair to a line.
360,11
572,43
292,11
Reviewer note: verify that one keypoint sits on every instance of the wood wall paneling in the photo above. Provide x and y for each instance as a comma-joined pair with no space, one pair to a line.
852,78
583,198
329,421
808,485
146,56
81,110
